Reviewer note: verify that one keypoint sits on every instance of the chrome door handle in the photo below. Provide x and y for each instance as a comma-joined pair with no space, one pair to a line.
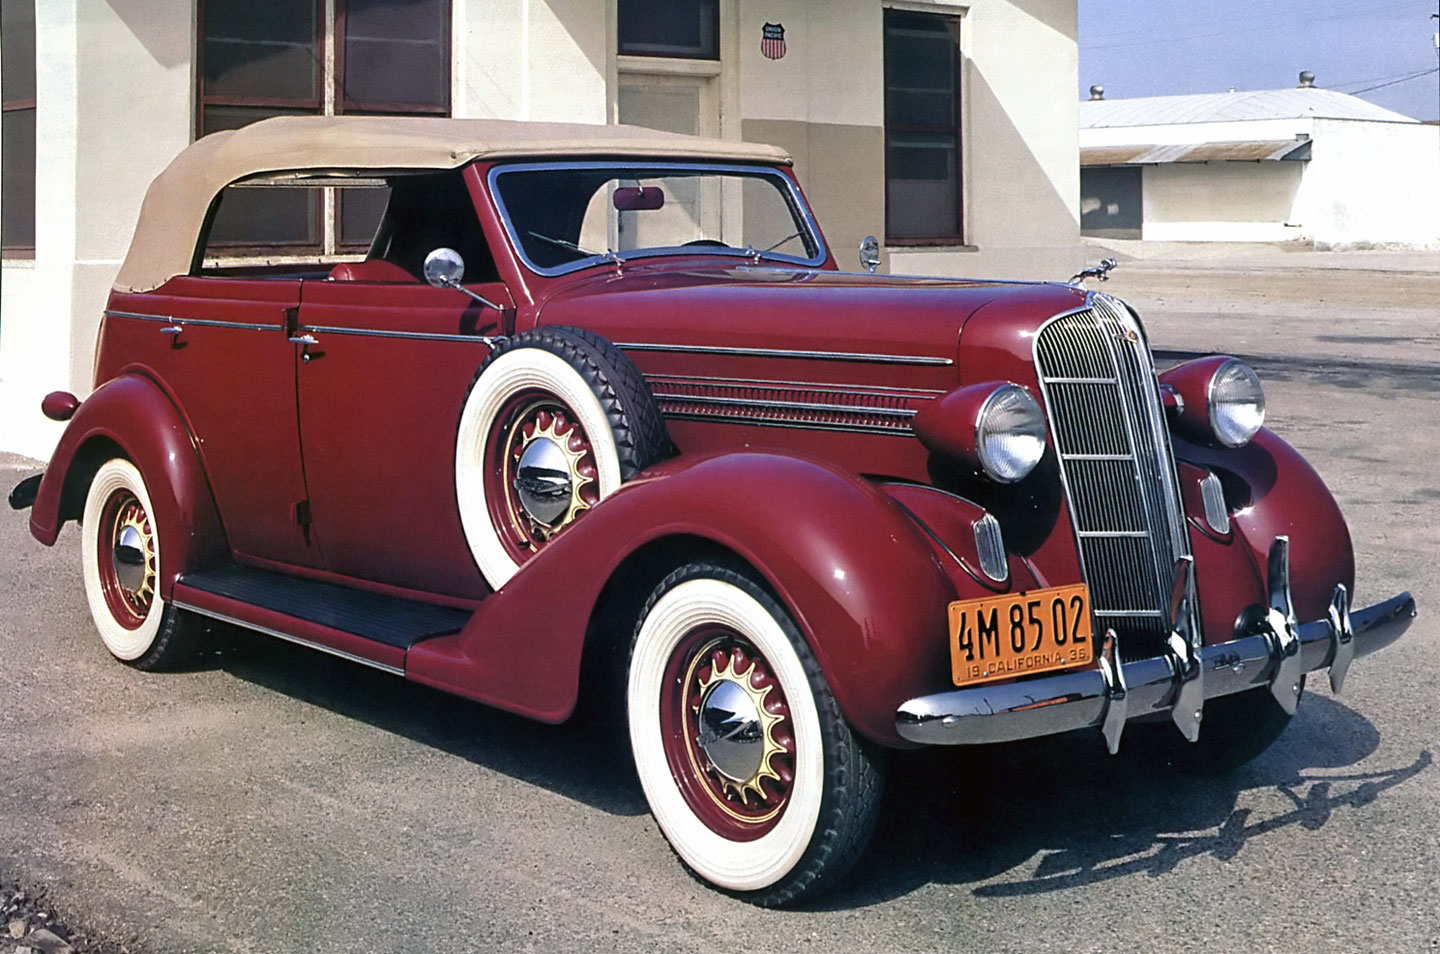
305,341
172,330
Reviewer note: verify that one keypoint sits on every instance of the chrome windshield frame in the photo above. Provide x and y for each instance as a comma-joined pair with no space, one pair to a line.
787,186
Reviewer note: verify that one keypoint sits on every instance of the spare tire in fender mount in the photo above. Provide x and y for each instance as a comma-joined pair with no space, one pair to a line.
555,420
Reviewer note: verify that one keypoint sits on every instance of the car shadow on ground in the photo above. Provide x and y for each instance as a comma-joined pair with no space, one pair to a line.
576,759
954,816
1048,815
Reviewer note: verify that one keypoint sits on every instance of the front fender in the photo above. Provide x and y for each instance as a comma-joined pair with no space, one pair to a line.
1271,491
860,578
131,416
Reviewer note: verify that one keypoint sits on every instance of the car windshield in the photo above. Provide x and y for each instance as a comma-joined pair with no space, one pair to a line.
564,216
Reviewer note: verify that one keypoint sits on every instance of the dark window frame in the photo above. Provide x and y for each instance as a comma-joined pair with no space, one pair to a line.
673,52
957,238
22,104
345,106
316,106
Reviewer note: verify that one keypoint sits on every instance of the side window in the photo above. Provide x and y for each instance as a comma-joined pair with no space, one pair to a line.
260,229
426,212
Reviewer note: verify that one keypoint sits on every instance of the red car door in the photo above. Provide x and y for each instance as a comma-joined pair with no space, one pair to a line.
221,347
380,399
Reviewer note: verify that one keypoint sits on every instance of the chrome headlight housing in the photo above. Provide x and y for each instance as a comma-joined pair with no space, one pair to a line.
1218,401
1009,434
1236,403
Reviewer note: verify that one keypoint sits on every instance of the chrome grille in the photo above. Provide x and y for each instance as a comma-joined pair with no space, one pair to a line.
1109,432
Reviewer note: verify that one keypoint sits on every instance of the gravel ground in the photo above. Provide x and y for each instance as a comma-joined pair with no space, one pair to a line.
274,799
31,924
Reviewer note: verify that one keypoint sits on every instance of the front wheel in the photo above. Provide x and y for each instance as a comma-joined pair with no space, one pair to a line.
120,560
748,765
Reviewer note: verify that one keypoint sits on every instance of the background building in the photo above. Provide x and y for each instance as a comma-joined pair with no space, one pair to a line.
946,128
1263,166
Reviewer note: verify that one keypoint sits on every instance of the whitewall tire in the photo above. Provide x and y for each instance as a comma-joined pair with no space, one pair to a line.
120,560
748,766
559,403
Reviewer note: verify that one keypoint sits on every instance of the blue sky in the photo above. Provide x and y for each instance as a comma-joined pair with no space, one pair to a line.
1161,47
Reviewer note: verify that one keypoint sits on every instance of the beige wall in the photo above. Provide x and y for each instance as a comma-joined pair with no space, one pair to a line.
1229,201
114,95
116,87
824,101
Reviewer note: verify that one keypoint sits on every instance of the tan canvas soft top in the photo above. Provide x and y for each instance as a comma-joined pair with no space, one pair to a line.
176,203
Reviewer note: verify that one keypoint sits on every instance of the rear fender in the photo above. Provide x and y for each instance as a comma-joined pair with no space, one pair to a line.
860,578
131,417
1272,490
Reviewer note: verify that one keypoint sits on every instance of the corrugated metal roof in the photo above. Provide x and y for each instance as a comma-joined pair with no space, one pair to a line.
1248,150
1297,103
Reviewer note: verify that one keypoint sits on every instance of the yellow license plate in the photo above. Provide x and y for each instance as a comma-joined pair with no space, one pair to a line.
1000,637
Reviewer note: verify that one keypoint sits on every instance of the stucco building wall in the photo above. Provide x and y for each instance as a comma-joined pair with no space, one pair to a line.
1366,182
116,100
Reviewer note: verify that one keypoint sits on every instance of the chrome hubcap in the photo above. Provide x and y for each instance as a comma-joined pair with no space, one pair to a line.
731,734
543,481
130,559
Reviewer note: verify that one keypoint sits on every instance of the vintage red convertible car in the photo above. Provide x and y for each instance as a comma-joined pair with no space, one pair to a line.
597,414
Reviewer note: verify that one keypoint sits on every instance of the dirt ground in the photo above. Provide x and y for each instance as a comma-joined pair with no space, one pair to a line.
279,800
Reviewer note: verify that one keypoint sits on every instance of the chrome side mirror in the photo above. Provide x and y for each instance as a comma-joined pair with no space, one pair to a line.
870,254
444,268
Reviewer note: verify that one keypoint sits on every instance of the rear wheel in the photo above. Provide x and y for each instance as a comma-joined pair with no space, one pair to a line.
748,765
121,563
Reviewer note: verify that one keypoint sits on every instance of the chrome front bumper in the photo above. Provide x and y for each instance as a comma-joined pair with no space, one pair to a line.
1177,682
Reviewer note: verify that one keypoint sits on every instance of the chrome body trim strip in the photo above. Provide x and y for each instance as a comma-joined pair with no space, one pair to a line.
863,409
416,335
289,638
866,389
920,359
891,430
198,322
1048,705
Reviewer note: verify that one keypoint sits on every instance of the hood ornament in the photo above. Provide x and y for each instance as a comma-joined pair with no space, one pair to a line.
1099,272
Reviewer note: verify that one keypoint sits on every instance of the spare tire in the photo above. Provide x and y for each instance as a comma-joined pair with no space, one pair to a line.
554,421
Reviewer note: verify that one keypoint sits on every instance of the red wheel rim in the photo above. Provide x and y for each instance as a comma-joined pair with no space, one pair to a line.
526,417
740,810
123,510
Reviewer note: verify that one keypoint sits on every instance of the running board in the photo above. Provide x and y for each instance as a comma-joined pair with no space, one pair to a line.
358,625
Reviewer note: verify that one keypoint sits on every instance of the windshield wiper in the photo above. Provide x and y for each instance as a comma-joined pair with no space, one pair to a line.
755,253
609,253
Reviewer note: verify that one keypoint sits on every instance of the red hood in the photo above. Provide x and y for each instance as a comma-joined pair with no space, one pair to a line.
800,309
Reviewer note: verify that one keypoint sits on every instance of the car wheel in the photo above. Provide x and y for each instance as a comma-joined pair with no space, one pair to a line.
749,767
120,558
1236,730
555,420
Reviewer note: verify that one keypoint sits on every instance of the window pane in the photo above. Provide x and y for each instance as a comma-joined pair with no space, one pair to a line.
17,59
360,213
261,50
395,53
922,126
254,216
267,216
689,28
17,139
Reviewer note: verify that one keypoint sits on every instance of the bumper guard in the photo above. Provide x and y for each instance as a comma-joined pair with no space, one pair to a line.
1177,682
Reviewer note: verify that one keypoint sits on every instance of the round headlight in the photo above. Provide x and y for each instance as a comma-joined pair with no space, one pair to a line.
1009,434
1236,402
